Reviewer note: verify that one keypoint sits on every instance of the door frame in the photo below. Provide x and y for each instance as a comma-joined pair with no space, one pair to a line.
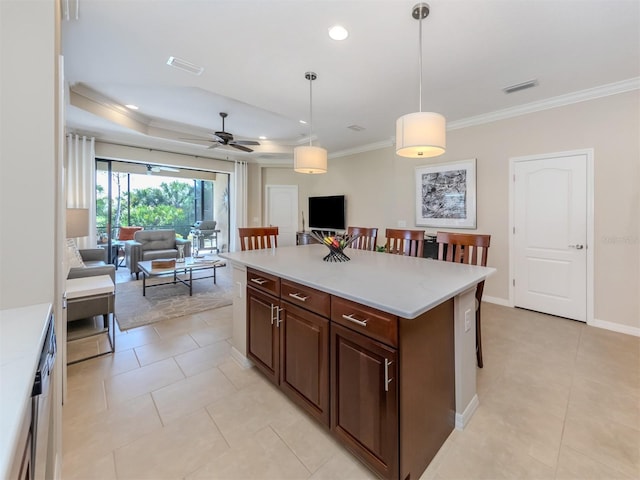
588,153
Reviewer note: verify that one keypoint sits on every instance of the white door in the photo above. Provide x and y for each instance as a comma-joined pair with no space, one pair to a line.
282,212
550,235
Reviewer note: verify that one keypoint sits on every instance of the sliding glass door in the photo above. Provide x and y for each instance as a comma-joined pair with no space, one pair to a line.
138,195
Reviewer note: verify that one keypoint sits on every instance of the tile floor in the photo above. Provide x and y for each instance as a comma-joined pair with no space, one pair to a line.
558,399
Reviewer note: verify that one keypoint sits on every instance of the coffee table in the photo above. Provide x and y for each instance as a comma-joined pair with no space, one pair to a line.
190,265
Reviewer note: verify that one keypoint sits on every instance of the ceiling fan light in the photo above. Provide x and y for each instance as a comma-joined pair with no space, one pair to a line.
309,159
421,135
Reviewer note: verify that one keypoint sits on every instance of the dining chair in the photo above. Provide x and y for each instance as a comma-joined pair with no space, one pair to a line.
367,238
404,242
257,238
471,249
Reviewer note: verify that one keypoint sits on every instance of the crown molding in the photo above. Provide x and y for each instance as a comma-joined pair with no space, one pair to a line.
549,103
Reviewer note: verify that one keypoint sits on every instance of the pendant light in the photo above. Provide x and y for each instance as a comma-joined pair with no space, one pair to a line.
310,159
421,134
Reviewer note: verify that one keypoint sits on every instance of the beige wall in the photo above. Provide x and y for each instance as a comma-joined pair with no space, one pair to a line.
380,188
27,152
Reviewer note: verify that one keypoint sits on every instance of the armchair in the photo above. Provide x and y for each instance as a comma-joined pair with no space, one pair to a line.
151,245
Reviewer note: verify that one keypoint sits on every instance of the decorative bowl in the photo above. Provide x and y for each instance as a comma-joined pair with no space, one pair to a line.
335,243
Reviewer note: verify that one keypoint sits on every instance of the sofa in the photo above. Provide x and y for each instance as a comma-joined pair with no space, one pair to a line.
95,263
152,245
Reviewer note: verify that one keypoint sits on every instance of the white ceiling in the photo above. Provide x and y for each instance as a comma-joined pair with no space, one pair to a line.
255,54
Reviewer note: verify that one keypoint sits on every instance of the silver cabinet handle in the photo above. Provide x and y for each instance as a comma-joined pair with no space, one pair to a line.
297,296
387,380
351,318
272,307
278,319
577,247
259,281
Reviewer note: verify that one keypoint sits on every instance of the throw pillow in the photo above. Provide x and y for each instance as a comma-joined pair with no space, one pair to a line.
74,259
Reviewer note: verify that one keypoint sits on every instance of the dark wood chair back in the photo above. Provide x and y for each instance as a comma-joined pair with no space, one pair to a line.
472,249
367,238
257,238
405,242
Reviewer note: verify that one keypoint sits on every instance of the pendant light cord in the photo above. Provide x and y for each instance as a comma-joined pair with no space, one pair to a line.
310,108
420,60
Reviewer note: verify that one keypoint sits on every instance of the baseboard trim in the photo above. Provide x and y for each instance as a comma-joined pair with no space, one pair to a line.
615,327
240,359
462,419
496,300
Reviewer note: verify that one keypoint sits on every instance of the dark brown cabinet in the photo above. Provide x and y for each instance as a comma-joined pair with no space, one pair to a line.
304,360
263,339
383,384
289,343
364,402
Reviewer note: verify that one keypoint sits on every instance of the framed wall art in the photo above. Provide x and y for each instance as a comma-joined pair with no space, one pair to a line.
446,195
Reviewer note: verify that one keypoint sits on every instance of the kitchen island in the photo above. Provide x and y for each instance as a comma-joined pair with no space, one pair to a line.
379,349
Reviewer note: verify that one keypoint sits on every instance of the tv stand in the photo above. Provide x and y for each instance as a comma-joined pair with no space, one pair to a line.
305,238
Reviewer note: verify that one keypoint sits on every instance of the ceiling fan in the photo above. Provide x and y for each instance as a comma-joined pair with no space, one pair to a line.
157,168
226,139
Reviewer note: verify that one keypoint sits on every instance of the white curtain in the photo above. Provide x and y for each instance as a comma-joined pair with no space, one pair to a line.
81,182
239,205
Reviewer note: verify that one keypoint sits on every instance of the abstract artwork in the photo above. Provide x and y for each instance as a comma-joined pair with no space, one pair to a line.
446,195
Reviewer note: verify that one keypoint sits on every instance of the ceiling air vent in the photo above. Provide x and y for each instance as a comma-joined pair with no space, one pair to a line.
355,128
186,66
520,86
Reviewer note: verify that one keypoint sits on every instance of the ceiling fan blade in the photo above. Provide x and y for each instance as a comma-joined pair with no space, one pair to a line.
245,142
240,147
214,145
168,169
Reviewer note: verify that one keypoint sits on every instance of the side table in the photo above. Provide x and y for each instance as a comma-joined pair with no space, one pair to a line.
97,295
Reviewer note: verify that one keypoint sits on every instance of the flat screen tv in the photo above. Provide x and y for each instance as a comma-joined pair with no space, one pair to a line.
327,212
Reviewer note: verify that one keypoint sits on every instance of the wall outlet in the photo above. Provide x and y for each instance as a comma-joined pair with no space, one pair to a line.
402,223
467,320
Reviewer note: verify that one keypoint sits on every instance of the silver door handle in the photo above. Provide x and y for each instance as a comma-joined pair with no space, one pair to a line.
387,380
577,247
259,281
297,296
355,320
278,319
272,307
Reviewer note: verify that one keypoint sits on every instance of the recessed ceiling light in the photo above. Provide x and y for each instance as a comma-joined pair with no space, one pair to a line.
338,32
262,137
302,122
131,106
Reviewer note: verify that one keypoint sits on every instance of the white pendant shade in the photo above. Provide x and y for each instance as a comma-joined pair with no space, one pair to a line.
309,159
421,135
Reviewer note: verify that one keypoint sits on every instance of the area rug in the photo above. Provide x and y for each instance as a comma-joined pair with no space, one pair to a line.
169,301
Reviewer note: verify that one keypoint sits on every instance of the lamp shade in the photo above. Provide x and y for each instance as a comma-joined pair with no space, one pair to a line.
421,134
309,159
77,222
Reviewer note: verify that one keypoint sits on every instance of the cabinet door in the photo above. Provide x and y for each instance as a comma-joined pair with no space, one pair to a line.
304,360
364,399
262,332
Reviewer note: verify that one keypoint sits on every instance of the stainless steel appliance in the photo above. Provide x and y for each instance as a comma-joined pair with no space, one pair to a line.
41,404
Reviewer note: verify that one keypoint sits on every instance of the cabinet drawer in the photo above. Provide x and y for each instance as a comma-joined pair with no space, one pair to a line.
369,321
263,281
306,297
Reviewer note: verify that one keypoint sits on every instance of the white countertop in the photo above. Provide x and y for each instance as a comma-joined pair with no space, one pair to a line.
88,286
404,286
22,332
